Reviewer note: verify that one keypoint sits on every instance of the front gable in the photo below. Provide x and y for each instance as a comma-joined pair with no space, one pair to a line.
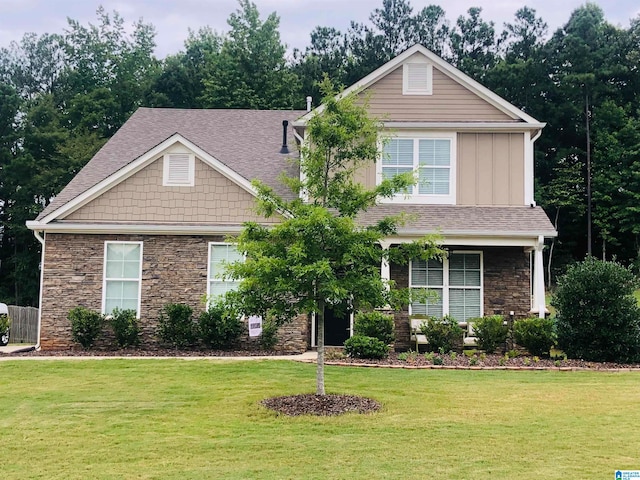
152,195
445,99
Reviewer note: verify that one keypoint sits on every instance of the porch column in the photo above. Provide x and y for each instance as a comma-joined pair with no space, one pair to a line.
539,301
385,269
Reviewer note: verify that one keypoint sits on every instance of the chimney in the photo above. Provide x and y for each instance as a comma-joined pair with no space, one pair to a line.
309,99
285,147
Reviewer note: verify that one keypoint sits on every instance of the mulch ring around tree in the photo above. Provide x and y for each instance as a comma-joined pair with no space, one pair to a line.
320,405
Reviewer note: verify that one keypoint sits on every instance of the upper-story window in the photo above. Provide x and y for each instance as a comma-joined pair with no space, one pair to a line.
178,170
432,159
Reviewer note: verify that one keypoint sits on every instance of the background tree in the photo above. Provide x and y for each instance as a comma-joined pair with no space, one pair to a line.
251,70
319,254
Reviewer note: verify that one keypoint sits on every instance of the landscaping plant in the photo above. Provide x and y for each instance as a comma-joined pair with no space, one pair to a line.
5,323
175,325
598,318
86,325
537,335
269,336
361,346
220,326
443,335
374,324
491,332
125,327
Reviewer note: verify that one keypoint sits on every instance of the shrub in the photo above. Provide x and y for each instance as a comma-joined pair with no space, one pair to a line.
220,326
598,318
125,327
86,325
5,323
374,324
175,326
443,335
361,346
537,335
491,332
269,336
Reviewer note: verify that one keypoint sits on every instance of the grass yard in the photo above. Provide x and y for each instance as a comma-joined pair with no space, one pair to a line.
113,419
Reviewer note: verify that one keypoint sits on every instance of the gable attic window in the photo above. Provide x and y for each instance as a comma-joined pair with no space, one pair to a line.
178,170
417,78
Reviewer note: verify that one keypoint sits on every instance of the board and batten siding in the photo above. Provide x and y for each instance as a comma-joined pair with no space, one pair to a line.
214,199
490,169
450,102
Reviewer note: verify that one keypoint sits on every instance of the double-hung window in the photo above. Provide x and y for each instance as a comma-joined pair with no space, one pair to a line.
456,283
122,276
431,157
219,255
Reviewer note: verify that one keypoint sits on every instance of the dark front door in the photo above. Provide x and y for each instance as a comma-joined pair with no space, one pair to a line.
337,324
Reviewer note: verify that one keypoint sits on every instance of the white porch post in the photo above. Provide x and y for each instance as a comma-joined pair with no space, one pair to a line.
539,301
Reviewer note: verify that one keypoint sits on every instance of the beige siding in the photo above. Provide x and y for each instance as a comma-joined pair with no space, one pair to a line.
450,102
367,175
490,169
141,198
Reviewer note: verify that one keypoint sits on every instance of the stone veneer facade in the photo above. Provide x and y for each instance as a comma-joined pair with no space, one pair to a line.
506,287
174,270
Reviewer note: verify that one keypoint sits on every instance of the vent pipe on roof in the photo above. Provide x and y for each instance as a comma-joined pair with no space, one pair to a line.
309,100
285,147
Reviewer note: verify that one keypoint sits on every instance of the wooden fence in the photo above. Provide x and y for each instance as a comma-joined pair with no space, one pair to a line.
24,324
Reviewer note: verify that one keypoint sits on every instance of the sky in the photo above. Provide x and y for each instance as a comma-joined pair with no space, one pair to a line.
173,18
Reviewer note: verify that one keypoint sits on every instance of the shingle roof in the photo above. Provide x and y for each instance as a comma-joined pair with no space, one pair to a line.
465,220
247,141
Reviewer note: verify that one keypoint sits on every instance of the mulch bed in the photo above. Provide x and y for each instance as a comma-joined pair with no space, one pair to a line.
321,405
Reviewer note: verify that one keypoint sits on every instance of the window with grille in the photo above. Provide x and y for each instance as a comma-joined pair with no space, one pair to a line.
122,276
456,281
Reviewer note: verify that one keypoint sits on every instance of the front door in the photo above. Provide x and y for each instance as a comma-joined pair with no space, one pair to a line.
337,325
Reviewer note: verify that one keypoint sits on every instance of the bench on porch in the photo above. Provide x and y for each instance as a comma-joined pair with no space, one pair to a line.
469,338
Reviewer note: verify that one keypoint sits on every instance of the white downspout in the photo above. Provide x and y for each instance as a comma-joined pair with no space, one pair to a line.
539,306
42,241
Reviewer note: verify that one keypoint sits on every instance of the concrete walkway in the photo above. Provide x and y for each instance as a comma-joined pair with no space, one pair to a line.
303,357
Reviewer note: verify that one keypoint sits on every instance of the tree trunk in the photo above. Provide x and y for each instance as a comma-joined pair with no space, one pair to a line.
320,363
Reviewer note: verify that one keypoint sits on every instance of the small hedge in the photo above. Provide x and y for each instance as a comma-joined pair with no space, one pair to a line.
220,326
491,332
125,328
536,335
176,326
86,326
361,346
443,335
374,324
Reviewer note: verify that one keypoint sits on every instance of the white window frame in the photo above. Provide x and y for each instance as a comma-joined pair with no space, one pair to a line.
423,198
105,279
445,282
209,278
426,89
166,167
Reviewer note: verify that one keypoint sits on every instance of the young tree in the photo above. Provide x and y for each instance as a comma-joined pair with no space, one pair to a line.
319,254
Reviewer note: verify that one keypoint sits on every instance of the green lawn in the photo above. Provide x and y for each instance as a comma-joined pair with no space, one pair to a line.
112,419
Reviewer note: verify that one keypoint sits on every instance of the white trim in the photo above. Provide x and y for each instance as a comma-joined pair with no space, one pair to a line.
528,169
138,164
428,88
480,127
104,273
166,170
43,241
417,198
446,68
137,228
446,287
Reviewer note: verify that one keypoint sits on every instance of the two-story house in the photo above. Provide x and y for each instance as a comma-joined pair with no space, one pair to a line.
144,223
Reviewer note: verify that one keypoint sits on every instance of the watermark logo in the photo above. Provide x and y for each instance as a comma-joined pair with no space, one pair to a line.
627,474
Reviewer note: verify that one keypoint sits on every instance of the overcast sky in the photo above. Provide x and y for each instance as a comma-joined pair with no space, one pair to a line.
173,18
